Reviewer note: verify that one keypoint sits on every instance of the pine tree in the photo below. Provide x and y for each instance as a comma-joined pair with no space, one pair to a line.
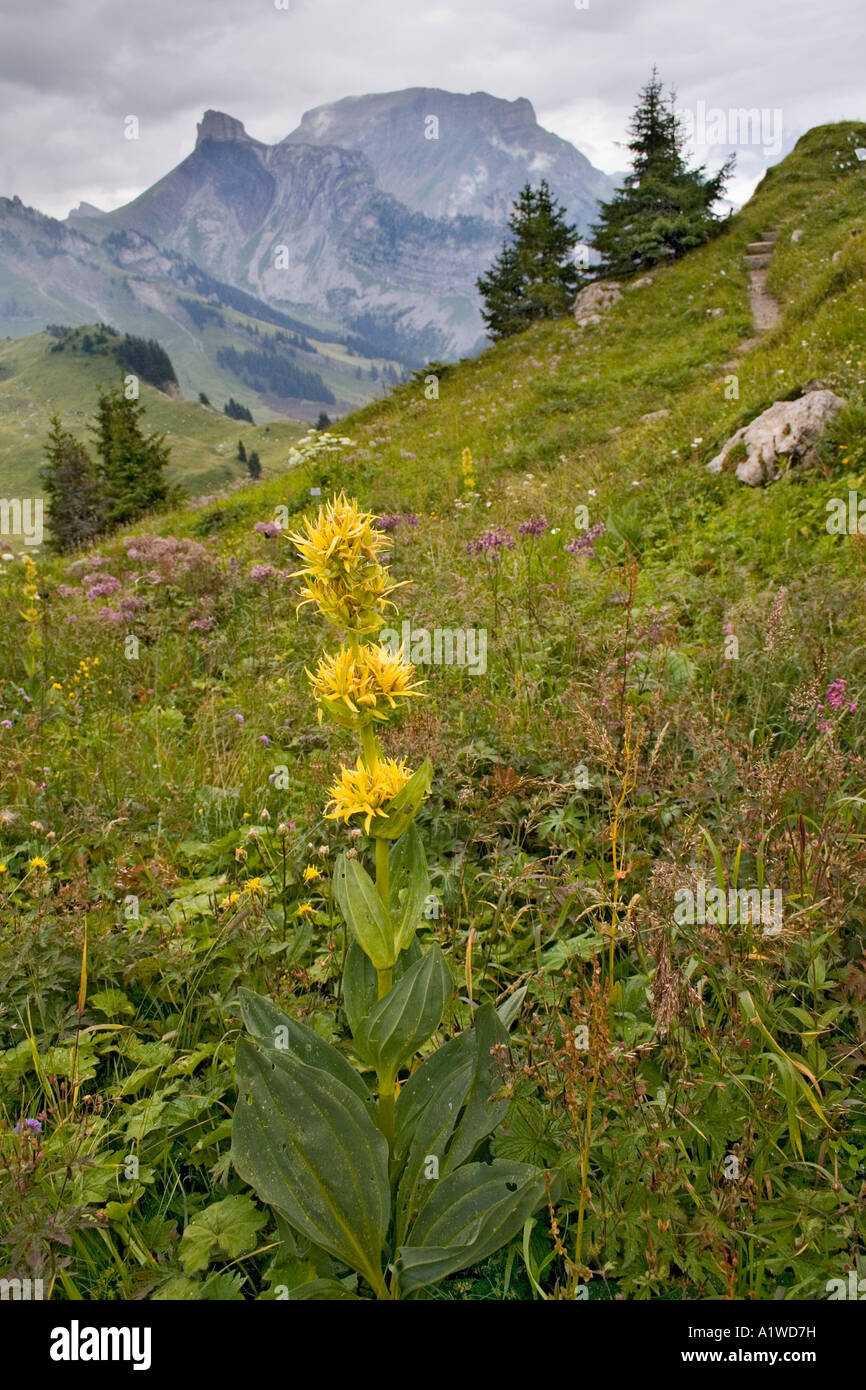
324,421
242,453
534,276
254,466
664,208
70,480
131,463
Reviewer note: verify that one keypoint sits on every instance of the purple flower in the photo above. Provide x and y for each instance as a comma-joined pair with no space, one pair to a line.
388,522
239,718
132,605
34,1126
585,544
68,590
259,573
535,526
106,584
836,693
268,528
491,542
110,615
6,723
263,738
410,518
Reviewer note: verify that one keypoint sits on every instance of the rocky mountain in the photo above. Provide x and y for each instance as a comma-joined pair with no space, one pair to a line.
358,216
221,340
450,154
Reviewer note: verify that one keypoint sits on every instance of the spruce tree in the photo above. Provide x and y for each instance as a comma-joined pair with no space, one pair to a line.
664,208
534,276
75,513
131,463
254,467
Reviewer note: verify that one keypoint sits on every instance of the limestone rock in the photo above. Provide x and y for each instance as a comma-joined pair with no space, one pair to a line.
784,434
796,234
595,299
653,415
715,313
641,283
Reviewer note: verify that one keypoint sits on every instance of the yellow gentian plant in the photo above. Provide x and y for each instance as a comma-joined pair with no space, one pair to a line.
391,1193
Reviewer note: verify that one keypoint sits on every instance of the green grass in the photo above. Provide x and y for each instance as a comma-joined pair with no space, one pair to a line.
36,383
178,770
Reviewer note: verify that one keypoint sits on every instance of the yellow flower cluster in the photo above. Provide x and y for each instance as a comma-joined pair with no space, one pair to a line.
468,470
360,684
344,577
357,686
365,791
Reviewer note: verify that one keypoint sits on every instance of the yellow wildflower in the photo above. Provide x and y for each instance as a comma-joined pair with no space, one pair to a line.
254,886
311,873
354,686
230,900
37,863
364,791
305,908
3,869
344,576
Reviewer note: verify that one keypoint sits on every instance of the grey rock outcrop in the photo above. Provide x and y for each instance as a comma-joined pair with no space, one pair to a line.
595,299
783,435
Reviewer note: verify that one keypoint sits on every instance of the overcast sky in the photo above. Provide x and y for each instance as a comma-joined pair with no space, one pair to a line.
71,71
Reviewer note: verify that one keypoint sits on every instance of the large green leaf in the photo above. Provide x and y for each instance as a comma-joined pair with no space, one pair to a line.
323,1291
361,986
308,1146
410,885
225,1229
472,1213
403,809
444,1112
365,912
275,1029
408,1015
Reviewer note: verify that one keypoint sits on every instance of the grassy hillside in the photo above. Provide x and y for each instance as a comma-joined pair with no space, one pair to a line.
165,796
37,383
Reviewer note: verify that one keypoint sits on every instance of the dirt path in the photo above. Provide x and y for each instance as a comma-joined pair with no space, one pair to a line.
765,307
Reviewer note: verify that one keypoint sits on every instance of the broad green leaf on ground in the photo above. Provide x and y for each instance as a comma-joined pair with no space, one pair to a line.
307,1145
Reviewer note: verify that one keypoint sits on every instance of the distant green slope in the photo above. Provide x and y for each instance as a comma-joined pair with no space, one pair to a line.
36,383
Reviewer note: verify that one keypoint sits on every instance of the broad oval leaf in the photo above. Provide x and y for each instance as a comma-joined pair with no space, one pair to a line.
273,1028
307,1146
365,912
361,986
410,886
323,1291
408,1015
472,1213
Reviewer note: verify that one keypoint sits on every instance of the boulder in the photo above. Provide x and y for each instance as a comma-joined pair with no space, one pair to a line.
641,282
653,415
784,434
595,299
796,234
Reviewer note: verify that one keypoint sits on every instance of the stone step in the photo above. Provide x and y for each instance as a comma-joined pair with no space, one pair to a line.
768,236
755,248
758,262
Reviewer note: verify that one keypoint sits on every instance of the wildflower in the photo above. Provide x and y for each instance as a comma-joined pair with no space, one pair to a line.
341,550
31,1126
104,585
259,573
37,863
4,869
264,740
585,544
268,528
364,791
311,873
535,526
491,542
836,693
306,908
355,686
231,900
253,886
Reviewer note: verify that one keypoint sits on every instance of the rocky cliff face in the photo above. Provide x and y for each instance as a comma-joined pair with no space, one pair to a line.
447,154
370,213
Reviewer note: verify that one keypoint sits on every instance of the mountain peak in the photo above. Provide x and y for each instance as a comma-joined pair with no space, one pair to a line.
216,125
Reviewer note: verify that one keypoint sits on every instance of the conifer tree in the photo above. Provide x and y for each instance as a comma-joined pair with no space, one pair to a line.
70,481
131,464
535,275
663,208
